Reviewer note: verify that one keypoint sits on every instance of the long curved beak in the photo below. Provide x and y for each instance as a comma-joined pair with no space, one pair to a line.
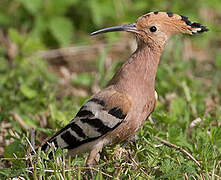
127,27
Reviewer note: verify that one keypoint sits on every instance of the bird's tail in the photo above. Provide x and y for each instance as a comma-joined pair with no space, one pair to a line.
50,144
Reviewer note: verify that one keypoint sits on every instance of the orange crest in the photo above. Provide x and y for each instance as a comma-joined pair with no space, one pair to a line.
172,22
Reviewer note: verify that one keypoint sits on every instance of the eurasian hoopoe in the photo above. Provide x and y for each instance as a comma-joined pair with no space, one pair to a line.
117,112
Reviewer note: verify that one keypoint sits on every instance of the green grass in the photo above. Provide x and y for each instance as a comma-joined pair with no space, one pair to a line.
188,112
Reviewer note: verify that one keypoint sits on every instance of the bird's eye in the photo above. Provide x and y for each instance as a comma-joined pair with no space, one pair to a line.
153,29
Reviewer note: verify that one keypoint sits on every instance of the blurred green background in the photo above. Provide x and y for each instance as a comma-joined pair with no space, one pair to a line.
59,23
49,65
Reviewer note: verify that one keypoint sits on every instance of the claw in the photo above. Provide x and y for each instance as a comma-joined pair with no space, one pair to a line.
90,172
132,140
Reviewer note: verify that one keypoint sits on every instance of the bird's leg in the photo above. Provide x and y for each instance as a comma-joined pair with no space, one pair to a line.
104,155
131,139
93,159
150,118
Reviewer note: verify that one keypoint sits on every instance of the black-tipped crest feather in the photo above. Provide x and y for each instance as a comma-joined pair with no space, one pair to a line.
194,25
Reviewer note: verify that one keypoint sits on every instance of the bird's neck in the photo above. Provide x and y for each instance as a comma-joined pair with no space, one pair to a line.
137,75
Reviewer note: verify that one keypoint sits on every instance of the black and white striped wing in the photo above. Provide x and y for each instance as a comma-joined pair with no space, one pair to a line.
93,120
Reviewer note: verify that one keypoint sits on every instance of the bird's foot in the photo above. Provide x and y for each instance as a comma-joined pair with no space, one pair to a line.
151,119
132,140
92,160
89,173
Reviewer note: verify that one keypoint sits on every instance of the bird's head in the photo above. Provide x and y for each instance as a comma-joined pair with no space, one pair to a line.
155,28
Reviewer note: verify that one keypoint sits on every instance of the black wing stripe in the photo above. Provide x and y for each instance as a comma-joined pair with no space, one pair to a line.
98,124
98,101
84,113
117,112
77,130
70,139
72,146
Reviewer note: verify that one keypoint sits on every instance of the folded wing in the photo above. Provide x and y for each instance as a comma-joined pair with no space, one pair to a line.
101,114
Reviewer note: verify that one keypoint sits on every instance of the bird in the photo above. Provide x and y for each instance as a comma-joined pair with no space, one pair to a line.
117,112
